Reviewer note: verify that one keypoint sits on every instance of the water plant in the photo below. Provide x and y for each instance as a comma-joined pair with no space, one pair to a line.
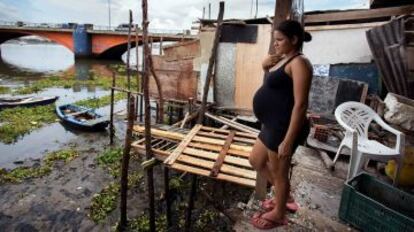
19,174
4,90
16,122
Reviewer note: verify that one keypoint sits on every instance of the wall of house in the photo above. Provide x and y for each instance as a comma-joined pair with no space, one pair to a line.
336,46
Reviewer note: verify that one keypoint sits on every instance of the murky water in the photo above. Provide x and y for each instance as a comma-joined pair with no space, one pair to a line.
21,62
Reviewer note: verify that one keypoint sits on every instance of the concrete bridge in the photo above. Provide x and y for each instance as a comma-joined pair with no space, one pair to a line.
87,40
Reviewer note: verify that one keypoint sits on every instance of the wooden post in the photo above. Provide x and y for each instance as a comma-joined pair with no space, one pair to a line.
148,149
209,11
211,63
111,125
167,196
187,226
138,75
160,109
161,39
190,109
128,136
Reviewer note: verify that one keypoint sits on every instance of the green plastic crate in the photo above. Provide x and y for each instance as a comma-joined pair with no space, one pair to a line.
372,205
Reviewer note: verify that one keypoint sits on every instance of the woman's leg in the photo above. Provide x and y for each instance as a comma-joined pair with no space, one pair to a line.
279,172
259,159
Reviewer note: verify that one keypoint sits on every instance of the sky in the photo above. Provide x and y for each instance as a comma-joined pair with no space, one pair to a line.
163,14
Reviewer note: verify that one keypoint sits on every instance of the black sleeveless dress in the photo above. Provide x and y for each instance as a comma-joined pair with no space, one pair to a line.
273,104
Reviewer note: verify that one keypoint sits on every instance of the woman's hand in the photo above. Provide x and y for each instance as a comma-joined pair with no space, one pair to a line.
270,61
284,150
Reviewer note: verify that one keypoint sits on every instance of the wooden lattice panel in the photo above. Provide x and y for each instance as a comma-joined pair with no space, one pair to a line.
197,151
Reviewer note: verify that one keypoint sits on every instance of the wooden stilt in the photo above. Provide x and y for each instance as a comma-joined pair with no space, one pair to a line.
211,63
111,125
146,71
139,83
193,192
167,196
128,136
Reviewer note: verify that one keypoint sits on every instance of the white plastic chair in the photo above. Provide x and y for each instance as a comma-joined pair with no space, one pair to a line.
355,117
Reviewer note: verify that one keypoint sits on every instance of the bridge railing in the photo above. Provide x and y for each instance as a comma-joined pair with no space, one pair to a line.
37,25
123,28
150,30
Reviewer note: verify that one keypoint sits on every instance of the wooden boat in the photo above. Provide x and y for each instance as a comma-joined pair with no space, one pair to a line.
9,102
81,117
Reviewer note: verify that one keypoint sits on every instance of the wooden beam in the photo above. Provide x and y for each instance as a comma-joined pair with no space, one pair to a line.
220,136
217,148
220,159
177,152
213,156
221,176
241,134
359,14
229,169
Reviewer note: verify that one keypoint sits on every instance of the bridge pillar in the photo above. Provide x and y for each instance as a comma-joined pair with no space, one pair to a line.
81,42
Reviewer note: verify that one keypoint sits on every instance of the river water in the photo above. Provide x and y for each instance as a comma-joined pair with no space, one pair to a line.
22,62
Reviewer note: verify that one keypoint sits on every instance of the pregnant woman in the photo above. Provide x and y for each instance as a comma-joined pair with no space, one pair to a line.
280,105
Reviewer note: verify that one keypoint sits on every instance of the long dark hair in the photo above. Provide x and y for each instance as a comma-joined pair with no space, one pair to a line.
292,28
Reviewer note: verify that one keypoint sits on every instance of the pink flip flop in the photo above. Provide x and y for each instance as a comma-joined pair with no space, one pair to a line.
265,224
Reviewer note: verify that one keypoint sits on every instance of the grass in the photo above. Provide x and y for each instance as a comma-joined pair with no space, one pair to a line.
19,174
16,122
4,90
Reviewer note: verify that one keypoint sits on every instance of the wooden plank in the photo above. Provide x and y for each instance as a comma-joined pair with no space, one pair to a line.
364,93
241,134
221,142
220,159
231,124
239,124
359,14
229,169
220,136
221,176
217,148
177,152
344,26
213,156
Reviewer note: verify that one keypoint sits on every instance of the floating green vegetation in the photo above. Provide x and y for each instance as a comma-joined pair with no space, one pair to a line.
46,82
19,174
4,90
100,102
105,202
142,224
111,160
104,82
206,217
16,122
